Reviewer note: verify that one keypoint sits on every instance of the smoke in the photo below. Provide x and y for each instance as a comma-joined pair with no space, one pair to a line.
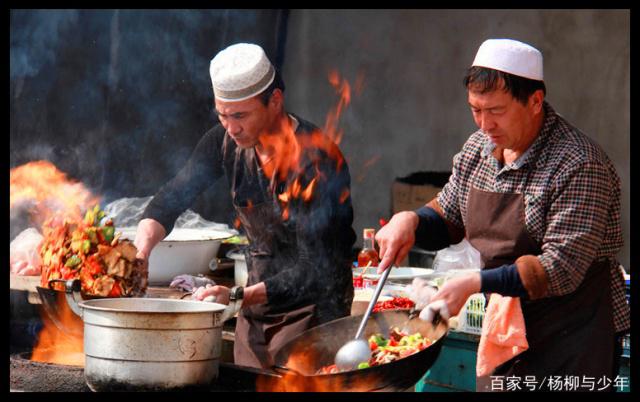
118,99
36,47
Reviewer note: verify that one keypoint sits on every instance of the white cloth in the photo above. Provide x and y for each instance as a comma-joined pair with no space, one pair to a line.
420,292
510,56
189,282
430,312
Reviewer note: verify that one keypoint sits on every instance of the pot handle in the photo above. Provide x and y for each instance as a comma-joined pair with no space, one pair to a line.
72,294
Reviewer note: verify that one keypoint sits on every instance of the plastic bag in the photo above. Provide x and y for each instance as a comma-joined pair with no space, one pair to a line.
458,257
24,256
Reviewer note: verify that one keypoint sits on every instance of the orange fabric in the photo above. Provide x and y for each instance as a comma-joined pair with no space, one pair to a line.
503,333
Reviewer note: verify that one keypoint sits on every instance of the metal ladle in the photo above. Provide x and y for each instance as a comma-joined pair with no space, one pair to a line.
357,351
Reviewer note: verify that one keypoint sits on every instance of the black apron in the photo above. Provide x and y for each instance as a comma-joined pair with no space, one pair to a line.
570,335
260,332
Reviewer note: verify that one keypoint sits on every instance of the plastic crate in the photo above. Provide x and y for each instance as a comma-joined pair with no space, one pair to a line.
471,316
626,345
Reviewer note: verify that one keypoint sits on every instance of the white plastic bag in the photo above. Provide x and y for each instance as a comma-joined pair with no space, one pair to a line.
458,257
24,257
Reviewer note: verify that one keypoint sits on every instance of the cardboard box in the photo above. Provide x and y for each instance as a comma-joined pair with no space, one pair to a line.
415,190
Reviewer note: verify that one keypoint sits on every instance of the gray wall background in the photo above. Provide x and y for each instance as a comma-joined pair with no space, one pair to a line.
411,113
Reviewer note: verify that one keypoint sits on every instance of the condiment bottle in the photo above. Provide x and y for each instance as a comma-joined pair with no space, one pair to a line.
368,252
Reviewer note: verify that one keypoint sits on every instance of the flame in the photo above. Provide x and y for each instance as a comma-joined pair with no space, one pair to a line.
302,363
343,89
56,346
365,167
289,150
53,201
46,191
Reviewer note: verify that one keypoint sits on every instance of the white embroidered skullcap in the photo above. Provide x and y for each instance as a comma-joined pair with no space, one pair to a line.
240,72
510,56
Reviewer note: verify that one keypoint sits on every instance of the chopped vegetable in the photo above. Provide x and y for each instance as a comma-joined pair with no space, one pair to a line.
393,304
398,346
90,250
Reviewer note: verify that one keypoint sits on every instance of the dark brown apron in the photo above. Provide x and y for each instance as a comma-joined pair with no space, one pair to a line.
570,335
261,332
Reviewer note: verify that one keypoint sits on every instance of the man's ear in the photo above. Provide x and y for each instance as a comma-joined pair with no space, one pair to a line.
536,100
277,98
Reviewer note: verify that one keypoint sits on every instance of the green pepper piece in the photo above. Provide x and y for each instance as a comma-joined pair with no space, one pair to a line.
108,232
86,246
363,365
72,261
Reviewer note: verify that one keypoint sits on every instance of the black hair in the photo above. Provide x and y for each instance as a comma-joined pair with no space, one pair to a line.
277,83
487,79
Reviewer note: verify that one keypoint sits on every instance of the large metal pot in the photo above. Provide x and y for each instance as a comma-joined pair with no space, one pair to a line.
302,357
150,344
183,251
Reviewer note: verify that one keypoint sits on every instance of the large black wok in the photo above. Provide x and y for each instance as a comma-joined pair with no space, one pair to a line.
301,358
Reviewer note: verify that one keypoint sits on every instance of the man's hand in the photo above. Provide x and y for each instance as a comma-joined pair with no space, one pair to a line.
396,238
220,293
453,295
148,234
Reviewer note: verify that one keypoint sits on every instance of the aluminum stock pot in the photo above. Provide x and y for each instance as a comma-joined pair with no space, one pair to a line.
150,344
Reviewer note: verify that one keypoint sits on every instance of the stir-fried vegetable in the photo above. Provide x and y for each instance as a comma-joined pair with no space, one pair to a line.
385,350
91,251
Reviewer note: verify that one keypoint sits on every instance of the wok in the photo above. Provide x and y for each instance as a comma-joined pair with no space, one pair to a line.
301,358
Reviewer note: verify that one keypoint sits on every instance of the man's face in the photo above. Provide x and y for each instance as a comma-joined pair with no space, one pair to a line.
507,122
245,120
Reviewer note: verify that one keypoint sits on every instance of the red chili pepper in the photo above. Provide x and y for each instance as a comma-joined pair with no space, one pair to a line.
395,303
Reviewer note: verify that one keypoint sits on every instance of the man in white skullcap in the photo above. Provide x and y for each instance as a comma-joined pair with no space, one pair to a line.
290,188
540,201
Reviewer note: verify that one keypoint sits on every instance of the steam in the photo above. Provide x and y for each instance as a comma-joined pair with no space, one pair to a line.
127,212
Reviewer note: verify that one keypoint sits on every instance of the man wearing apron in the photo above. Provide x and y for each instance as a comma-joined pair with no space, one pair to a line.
541,202
290,187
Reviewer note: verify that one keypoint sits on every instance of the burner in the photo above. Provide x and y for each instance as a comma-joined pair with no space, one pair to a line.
27,375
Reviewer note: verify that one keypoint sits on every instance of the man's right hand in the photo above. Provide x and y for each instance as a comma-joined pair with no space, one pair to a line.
396,238
148,234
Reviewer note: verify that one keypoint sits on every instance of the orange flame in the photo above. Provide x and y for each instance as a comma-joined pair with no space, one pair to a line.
56,346
288,150
343,89
52,200
46,191
366,166
301,363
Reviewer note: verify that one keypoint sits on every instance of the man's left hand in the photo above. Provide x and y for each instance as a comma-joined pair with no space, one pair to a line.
457,290
221,293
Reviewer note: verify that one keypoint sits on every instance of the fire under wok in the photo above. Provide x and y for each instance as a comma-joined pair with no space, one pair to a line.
303,356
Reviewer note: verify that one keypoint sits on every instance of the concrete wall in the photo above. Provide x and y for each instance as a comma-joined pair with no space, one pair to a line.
411,113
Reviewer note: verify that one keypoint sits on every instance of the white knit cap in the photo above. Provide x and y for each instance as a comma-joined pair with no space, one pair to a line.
510,56
240,72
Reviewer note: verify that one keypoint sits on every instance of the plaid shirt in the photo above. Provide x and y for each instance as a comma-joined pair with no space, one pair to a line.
572,202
